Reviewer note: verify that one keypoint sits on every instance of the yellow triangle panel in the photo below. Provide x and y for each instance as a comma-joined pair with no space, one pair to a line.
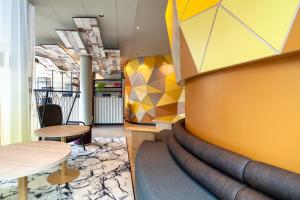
146,71
169,20
172,76
149,61
174,94
293,41
181,5
182,96
170,85
132,66
147,101
134,107
268,18
152,90
195,7
196,33
140,109
146,107
141,95
232,43
165,100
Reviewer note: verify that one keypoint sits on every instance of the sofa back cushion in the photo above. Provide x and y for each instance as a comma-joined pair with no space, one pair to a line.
278,183
214,181
248,193
226,161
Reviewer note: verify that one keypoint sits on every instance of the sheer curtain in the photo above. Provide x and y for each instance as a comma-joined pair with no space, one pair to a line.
16,62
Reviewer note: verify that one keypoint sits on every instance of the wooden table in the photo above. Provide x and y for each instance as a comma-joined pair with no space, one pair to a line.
17,161
65,174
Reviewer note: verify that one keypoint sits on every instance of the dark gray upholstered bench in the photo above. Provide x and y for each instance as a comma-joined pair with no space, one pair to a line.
183,167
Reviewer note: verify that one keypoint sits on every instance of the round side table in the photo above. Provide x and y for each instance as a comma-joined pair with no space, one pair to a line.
17,161
65,174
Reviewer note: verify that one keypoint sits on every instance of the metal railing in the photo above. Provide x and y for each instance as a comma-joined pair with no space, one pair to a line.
67,100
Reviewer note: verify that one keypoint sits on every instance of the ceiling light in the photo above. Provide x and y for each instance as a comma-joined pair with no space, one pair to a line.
138,28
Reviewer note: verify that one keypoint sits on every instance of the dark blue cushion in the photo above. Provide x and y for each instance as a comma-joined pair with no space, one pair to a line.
158,177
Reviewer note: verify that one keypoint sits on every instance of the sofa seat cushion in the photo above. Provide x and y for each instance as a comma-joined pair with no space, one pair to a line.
159,177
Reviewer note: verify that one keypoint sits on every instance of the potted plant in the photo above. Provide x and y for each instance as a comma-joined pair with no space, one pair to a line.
100,86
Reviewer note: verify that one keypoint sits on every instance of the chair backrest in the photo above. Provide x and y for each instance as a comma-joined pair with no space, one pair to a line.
50,115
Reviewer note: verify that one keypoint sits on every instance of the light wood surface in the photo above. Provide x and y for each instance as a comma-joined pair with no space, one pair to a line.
23,159
151,129
62,131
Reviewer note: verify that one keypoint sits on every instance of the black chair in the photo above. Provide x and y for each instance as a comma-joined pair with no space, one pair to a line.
51,115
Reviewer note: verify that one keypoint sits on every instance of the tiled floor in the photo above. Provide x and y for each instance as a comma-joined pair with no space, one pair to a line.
133,139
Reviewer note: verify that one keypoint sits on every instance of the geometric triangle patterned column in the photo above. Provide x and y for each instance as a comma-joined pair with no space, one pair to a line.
151,91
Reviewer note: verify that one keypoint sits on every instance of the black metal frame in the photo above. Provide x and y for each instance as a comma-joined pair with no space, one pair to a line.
46,101
69,114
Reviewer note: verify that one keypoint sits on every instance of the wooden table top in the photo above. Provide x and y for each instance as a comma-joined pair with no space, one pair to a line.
62,131
24,159
151,129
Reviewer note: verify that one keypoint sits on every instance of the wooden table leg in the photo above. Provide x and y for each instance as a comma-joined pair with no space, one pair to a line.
22,188
64,175
64,163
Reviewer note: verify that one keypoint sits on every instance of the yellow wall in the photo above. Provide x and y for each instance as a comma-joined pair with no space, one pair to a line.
253,110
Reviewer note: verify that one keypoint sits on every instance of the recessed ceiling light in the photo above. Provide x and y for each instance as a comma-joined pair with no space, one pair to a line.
138,28
101,15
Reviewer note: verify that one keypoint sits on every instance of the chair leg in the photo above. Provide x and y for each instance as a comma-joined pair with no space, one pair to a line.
82,143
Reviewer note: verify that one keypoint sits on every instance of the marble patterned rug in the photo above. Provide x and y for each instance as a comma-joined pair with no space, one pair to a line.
104,175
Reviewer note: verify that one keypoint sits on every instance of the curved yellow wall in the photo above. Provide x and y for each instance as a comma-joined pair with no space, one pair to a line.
253,110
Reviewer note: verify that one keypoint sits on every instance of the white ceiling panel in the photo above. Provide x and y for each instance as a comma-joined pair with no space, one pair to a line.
117,27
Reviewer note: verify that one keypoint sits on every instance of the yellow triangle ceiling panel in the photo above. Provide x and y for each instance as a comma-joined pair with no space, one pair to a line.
169,20
270,19
195,7
232,43
181,5
196,33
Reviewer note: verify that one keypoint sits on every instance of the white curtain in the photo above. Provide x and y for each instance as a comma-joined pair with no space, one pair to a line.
16,62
